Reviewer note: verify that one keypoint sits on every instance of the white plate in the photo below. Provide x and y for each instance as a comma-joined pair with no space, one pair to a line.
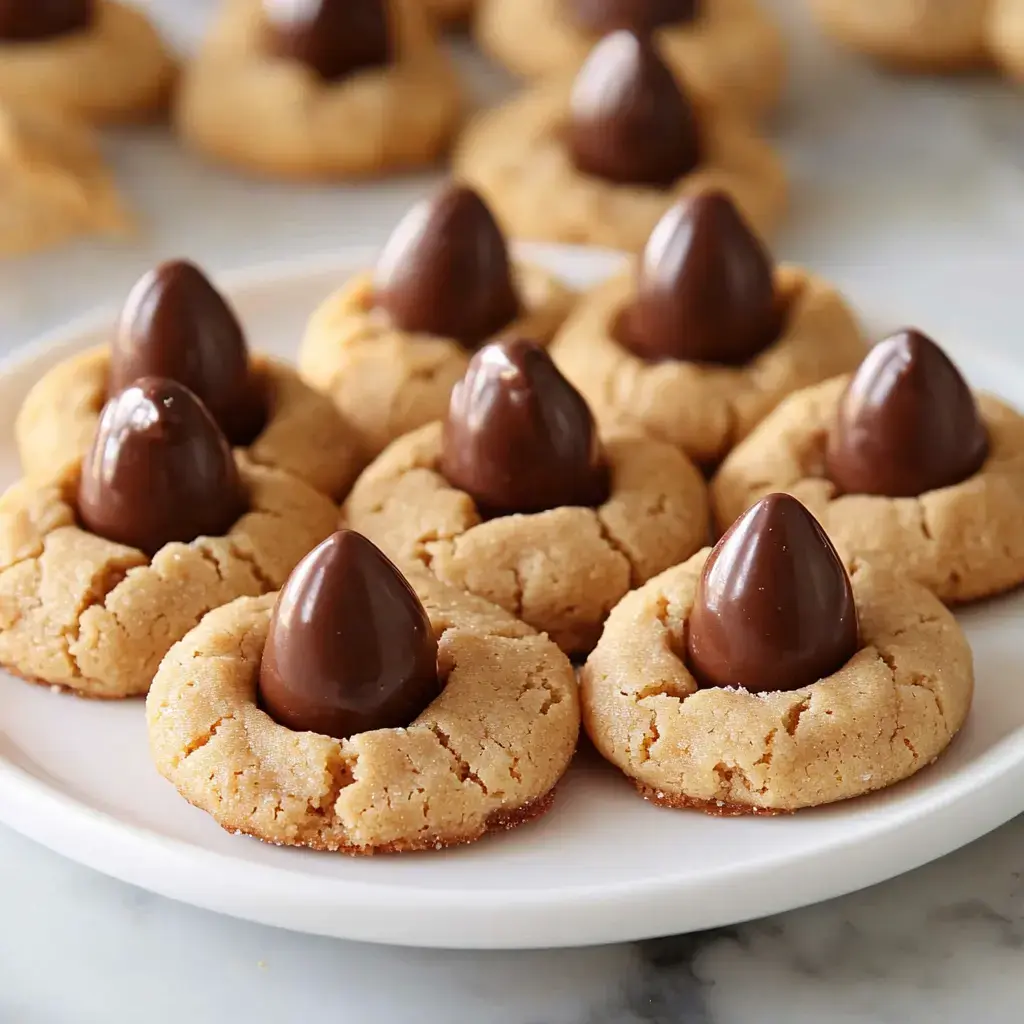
603,865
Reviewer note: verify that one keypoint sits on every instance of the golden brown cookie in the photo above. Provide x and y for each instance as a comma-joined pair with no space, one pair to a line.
111,67
96,617
519,156
732,53
484,755
889,711
561,570
704,408
304,435
387,381
963,541
273,113
54,183
916,35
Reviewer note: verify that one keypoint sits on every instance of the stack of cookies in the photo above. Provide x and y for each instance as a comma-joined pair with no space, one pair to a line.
372,601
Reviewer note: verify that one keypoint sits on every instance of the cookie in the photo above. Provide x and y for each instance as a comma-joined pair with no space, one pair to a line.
54,184
98,60
514,498
913,35
760,678
391,343
599,159
108,563
930,478
176,324
451,10
704,337
491,730
329,90
730,50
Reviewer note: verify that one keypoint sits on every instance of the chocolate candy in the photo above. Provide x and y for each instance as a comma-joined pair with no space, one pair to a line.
159,470
519,437
350,648
176,325
629,122
332,37
445,270
774,608
599,17
705,290
32,21
907,423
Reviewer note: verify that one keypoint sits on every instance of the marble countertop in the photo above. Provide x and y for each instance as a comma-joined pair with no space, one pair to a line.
908,176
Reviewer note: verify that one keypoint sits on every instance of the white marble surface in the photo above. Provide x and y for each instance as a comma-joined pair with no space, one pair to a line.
917,176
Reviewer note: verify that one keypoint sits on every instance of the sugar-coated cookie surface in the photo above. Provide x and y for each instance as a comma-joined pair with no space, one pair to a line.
485,755
887,713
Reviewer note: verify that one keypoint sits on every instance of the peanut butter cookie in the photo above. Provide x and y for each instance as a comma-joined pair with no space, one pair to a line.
389,346
599,159
730,50
323,90
902,466
54,184
362,712
99,60
760,677
514,498
175,324
704,338
105,565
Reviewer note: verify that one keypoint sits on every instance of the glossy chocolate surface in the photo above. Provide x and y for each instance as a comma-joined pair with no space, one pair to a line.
599,17
35,21
159,470
519,437
446,270
629,121
907,423
705,288
350,648
176,325
332,37
774,608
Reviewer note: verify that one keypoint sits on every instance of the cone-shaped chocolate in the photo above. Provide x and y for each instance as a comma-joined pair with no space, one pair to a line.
446,270
159,470
33,21
332,37
907,423
599,17
350,648
629,122
705,290
774,608
176,325
519,437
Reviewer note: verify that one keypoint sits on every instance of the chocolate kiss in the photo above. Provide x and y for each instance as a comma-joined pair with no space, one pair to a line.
159,470
705,290
176,325
629,122
333,37
445,270
599,17
907,423
774,608
350,648
26,21
519,437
